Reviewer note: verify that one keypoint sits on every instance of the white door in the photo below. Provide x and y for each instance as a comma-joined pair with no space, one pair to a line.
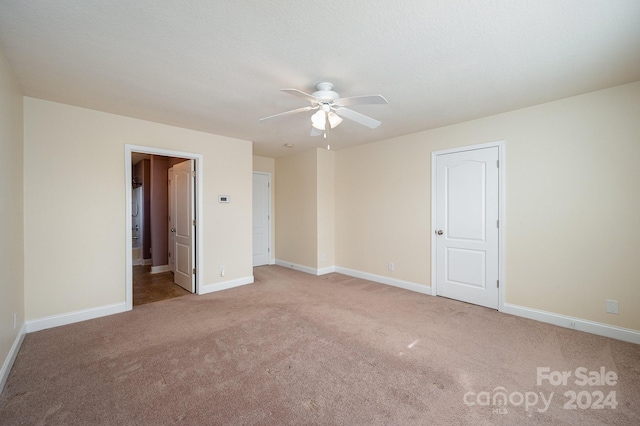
184,224
172,224
467,237
261,218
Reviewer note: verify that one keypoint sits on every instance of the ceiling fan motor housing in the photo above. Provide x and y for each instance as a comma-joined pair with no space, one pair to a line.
325,93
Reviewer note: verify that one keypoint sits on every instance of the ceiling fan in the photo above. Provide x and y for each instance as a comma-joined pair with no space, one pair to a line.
331,108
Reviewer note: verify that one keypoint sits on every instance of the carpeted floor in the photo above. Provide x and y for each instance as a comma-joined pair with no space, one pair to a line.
297,349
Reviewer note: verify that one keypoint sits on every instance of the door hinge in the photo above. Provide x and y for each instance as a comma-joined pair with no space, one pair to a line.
194,271
193,173
269,250
498,163
194,222
498,283
498,223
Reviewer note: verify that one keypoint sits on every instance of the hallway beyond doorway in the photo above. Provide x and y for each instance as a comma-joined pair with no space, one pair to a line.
149,288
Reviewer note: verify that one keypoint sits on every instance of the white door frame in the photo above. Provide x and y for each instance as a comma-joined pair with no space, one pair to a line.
128,149
501,216
268,174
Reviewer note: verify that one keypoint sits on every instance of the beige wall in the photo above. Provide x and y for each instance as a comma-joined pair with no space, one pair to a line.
268,165
264,164
325,207
382,209
305,206
572,204
296,208
11,209
75,204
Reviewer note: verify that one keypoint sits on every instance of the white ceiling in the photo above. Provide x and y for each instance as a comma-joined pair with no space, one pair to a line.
217,66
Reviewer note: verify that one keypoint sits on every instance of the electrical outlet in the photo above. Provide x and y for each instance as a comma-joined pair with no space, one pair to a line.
391,266
222,270
612,307
572,324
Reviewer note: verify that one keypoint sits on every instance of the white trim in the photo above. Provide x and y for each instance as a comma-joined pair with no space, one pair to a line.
160,269
73,317
147,262
501,213
297,267
407,285
306,269
199,158
210,288
619,333
269,237
11,356
326,270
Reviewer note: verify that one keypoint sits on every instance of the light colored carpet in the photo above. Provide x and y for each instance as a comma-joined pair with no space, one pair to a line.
297,349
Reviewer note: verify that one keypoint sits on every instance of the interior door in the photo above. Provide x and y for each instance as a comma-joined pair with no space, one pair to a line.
467,237
172,218
261,218
184,224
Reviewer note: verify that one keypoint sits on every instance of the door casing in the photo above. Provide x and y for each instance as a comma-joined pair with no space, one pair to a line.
501,213
128,149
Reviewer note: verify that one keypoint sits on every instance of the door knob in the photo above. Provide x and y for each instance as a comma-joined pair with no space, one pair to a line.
439,232
173,229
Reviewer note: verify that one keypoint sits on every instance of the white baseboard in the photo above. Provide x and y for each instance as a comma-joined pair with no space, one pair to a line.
324,271
419,288
306,269
11,357
297,267
72,317
579,324
407,285
210,288
147,262
159,269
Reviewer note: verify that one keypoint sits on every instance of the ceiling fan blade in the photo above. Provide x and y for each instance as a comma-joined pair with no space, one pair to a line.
300,94
357,117
293,111
361,100
316,132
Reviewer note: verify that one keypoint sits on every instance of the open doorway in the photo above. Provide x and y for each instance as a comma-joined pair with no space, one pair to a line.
151,247
161,191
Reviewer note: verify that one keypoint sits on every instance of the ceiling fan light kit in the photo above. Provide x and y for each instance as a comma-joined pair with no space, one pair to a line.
318,120
332,108
334,119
